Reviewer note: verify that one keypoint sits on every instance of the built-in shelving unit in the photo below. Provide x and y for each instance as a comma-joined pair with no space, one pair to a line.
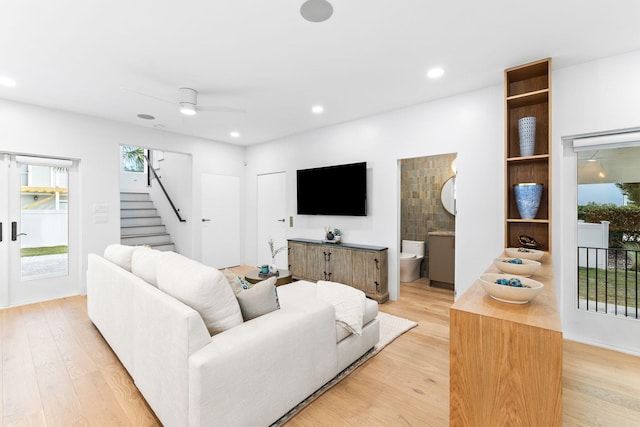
528,93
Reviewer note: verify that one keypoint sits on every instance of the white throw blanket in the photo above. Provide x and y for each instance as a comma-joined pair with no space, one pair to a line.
349,304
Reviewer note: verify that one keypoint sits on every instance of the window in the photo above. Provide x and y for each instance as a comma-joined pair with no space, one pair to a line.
609,230
133,159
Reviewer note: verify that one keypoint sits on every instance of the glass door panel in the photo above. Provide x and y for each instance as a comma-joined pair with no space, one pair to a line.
44,221
34,252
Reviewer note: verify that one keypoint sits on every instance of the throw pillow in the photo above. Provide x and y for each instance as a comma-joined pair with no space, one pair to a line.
144,264
258,299
201,287
121,254
234,280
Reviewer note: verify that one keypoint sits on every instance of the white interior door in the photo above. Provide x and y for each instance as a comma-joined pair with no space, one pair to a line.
272,217
39,261
4,230
220,195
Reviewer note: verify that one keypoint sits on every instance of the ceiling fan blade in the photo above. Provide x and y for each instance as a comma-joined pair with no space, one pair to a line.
147,95
221,109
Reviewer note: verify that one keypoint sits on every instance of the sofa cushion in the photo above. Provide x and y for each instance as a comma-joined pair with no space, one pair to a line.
203,288
121,254
258,299
144,264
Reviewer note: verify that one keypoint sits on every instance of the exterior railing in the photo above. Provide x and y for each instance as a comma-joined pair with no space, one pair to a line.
608,281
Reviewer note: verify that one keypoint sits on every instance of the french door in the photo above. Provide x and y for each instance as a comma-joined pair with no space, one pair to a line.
37,260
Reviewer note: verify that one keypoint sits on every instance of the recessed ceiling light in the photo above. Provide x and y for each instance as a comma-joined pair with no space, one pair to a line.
316,10
146,116
434,73
235,134
6,81
317,109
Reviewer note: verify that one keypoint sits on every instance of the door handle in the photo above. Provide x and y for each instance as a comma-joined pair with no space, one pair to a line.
281,220
14,231
0,232
205,220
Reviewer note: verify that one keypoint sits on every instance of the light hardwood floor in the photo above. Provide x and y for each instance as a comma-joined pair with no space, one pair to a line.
56,370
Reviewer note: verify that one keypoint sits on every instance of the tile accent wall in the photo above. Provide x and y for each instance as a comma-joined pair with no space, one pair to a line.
421,210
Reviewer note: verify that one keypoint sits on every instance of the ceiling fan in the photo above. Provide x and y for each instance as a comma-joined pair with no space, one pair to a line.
188,102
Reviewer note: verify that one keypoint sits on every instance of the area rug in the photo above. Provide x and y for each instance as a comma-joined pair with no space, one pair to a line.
391,327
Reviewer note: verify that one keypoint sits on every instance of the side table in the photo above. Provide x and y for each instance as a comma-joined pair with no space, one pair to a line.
253,276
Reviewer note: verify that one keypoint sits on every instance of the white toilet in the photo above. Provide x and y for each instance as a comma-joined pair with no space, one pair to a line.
411,256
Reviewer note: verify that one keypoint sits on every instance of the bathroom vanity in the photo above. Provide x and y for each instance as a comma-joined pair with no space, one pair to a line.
442,255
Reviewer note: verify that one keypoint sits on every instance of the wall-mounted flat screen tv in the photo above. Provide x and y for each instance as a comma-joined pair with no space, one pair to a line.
333,190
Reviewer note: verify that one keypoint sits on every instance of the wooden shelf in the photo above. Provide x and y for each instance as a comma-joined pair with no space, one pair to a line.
534,221
528,78
541,157
529,98
528,93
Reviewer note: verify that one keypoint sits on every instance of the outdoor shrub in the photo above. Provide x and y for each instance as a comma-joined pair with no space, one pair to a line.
624,221
632,256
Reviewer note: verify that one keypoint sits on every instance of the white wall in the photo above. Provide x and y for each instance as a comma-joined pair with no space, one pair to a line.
39,131
470,124
597,96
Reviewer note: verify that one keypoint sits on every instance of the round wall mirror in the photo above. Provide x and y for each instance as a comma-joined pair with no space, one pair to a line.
448,195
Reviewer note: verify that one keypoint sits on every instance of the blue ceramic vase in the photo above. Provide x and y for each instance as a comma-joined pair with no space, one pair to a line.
527,133
528,197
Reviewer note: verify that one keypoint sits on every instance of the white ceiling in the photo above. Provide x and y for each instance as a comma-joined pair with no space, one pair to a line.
92,56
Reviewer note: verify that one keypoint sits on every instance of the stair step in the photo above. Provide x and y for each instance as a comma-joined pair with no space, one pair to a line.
145,239
166,246
136,204
128,196
136,213
142,229
140,221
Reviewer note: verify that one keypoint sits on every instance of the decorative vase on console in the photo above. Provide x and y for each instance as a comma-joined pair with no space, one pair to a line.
527,134
528,197
273,269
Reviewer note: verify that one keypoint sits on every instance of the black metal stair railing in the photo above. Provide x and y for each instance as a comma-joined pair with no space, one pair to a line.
150,170
608,281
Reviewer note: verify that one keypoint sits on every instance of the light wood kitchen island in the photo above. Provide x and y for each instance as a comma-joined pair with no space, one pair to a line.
506,359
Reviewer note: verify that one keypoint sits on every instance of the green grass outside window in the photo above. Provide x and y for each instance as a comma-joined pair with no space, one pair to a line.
614,286
47,250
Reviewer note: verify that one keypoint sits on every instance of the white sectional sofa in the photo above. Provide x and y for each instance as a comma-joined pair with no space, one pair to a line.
195,371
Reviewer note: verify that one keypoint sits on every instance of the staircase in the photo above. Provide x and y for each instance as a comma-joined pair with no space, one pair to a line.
140,223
